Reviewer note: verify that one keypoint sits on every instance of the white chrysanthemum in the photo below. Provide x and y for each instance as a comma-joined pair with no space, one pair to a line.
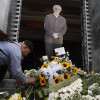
72,84
56,94
77,85
97,97
80,84
75,82
93,86
70,62
66,95
68,53
60,90
89,92
79,89
69,89
79,80
64,90
45,62
97,74
85,73
88,97
72,92
28,74
32,70
74,88
66,59
61,95
14,96
24,98
66,87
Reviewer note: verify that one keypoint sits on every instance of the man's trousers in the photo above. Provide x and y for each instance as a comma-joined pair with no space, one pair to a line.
3,70
50,47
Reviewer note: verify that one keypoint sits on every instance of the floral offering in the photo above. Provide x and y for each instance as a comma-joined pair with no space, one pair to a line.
58,79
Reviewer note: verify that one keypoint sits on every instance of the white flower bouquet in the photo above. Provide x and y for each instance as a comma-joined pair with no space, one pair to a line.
59,79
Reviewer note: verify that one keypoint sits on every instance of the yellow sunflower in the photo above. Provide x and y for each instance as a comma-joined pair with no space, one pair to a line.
56,80
70,65
42,81
41,75
65,65
75,71
66,76
44,66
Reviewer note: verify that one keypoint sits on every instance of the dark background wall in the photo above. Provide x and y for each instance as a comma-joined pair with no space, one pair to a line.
33,60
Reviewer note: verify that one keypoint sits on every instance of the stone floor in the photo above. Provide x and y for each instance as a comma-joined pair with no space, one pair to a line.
7,84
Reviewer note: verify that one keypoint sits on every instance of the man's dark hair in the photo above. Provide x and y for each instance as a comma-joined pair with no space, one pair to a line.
29,44
3,35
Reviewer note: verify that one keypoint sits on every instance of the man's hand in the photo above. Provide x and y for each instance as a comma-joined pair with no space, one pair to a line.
31,80
55,35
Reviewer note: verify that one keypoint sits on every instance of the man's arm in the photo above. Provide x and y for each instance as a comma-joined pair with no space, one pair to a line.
16,70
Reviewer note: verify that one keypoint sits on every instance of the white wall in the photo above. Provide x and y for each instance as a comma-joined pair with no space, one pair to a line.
4,11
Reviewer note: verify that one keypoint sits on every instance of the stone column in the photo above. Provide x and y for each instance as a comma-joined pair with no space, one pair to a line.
95,27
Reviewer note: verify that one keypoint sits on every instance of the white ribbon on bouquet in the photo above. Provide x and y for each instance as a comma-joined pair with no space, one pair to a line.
51,71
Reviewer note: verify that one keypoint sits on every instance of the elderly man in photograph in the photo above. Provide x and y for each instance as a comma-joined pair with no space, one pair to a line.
55,27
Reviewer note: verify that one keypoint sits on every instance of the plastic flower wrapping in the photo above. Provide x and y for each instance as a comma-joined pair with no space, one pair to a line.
58,79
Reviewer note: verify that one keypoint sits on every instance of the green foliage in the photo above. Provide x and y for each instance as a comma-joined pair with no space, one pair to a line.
96,91
85,86
76,96
84,92
45,98
94,78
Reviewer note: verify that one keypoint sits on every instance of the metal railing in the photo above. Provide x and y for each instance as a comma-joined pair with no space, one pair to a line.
15,19
86,39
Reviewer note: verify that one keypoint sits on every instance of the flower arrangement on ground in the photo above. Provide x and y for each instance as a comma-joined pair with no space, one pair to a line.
59,79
